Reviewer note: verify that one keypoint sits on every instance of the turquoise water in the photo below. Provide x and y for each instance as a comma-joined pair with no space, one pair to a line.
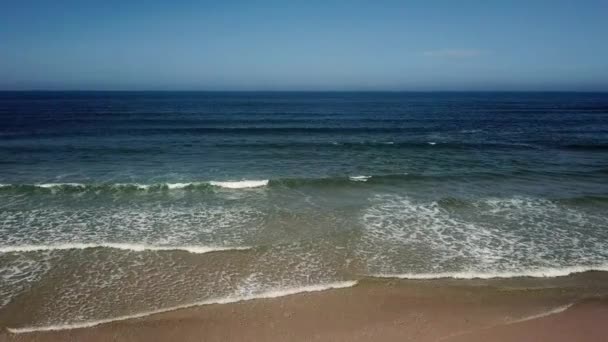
116,203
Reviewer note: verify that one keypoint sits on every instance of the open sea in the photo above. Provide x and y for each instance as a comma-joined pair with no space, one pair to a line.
120,204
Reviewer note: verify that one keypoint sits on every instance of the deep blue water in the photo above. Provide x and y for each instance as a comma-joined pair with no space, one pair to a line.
121,193
164,137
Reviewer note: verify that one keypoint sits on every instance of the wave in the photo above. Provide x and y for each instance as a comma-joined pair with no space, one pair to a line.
123,246
378,145
226,300
359,178
136,186
294,145
289,182
55,148
240,131
530,273
342,145
553,311
196,185
59,185
591,147
182,185
241,184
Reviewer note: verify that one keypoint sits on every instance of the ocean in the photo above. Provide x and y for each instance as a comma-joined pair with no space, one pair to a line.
121,204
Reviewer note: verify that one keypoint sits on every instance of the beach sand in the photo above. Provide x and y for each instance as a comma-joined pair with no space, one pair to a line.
573,308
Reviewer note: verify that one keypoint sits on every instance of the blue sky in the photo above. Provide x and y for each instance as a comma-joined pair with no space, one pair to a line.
304,45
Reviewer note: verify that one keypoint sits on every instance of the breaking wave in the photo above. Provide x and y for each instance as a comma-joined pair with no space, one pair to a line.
385,179
241,184
121,246
530,273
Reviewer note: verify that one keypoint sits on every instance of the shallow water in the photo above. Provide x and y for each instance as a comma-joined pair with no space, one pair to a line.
114,203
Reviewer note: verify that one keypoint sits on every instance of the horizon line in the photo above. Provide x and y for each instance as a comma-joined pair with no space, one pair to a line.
299,91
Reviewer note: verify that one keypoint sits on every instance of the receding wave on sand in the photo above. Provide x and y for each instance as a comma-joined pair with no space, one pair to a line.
225,300
530,273
123,246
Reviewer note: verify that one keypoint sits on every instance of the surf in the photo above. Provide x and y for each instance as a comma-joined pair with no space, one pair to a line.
524,273
120,246
224,300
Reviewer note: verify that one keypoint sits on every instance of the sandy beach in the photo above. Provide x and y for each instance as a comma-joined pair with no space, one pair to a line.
573,308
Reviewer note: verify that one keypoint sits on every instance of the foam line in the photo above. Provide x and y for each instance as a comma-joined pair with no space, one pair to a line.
532,273
226,300
359,178
227,184
180,185
122,246
58,185
553,311
240,184
135,185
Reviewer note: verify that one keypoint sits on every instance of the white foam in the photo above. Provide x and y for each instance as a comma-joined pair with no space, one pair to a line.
241,184
127,185
17,273
225,300
359,178
122,246
229,184
58,185
140,186
553,311
432,143
179,185
532,273
497,238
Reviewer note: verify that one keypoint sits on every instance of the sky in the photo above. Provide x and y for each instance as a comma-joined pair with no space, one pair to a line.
304,45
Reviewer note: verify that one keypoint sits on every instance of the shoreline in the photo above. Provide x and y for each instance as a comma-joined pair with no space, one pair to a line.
381,309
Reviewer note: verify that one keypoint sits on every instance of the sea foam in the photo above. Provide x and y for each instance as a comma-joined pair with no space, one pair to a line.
359,178
139,186
59,185
553,311
240,184
509,239
122,246
529,273
180,185
225,300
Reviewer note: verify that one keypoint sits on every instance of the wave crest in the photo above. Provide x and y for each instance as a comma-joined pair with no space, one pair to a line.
530,273
122,246
359,178
240,184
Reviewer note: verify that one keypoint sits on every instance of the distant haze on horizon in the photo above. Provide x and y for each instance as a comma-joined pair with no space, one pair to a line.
313,45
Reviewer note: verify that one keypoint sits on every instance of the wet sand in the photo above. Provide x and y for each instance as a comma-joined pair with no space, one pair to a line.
571,308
